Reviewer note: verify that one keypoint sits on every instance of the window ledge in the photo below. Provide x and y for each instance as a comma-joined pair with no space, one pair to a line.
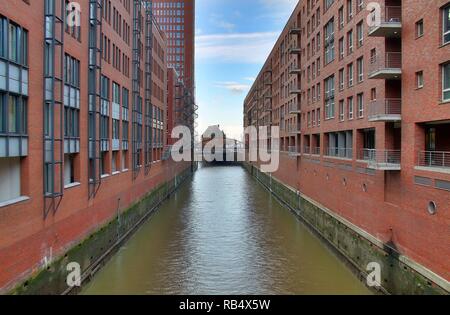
436,169
72,185
444,102
125,170
105,176
115,173
13,201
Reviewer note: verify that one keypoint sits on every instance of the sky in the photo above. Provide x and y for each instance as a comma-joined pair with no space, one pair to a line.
233,39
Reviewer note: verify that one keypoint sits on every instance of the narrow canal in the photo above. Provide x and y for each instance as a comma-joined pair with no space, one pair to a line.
222,233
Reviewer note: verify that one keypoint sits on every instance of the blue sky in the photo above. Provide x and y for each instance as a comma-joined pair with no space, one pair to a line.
233,39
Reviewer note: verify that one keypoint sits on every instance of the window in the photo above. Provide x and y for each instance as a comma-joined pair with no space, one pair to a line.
360,5
13,114
329,97
341,48
419,79
360,33
328,3
73,17
349,9
341,79
3,36
373,94
72,99
341,18
69,169
350,42
360,69
419,29
446,25
341,110
329,41
350,75
446,82
360,99
10,179
350,107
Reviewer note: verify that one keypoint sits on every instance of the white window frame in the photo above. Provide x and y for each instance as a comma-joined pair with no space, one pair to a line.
420,80
445,90
360,69
350,108
360,101
446,9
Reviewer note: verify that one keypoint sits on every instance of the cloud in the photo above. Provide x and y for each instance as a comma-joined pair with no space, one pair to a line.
278,10
218,21
251,48
251,79
233,87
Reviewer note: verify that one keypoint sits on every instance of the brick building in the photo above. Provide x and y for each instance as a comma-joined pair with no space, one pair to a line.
177,20
82,125
364,113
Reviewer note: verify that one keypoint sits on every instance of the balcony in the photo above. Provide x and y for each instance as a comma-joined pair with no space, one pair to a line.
388,67
315,150
390,24
382,160
306,150
295,51
295,70
388,110
267,107
342,153
295,31
294,151
294,129
295,90
434,160
294,109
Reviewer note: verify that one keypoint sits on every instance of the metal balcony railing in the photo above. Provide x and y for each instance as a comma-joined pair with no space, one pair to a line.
294,150
315,151
387,62
294,108
346,153
385,109
390,15
382,159
306,149
438,159
294,128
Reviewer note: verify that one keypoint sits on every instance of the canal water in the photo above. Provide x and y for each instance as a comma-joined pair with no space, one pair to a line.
222,233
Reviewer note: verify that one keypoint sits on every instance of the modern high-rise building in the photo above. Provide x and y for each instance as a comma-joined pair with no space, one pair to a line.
177,20
361,93
83,103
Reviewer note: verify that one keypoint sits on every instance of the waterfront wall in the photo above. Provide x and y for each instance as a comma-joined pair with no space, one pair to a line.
399,274
88,238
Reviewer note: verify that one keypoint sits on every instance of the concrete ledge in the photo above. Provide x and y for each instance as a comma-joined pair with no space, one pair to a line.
400,274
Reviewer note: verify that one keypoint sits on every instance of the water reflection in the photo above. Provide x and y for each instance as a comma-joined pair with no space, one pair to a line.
222,233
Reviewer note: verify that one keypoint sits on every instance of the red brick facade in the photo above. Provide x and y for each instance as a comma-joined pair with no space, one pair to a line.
374,165
27,236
